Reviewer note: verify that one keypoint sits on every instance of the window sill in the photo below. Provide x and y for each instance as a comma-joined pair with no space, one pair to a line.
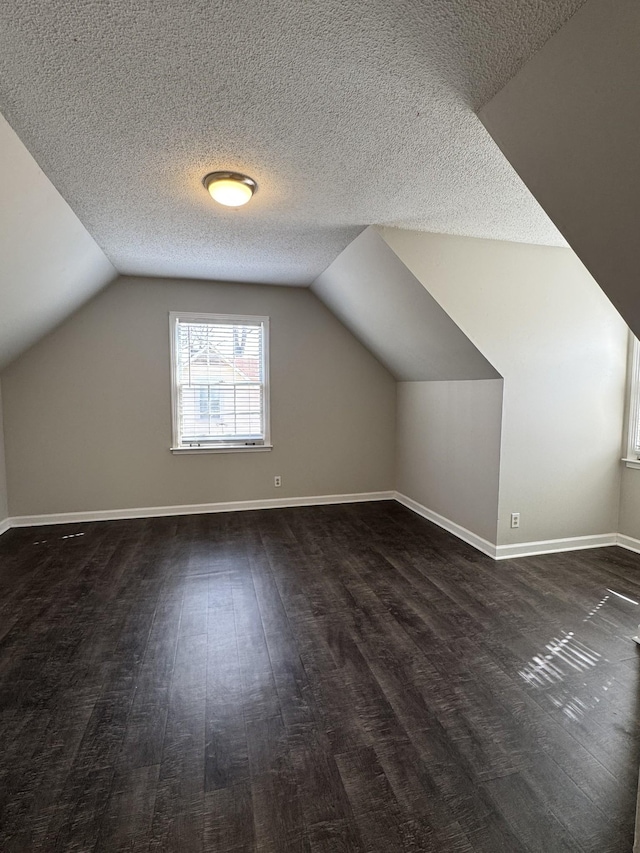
632,463
231,448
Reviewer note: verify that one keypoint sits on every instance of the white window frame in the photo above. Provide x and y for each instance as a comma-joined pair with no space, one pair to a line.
632,458
222,446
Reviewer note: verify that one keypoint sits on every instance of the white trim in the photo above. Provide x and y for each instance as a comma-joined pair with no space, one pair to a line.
633,426
214,319
497,552
628,542
261,322
521,549
230,448
553,546
467,536
193,509
632,463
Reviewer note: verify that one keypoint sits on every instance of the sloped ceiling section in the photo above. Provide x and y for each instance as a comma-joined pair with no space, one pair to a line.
390,312
569,122
345,112
49,263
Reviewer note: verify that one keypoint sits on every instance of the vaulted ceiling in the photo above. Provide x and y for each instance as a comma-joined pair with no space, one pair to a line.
569,122
393,314
49,263
346,112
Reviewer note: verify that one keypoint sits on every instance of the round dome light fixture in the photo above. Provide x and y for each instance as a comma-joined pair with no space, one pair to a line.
230,188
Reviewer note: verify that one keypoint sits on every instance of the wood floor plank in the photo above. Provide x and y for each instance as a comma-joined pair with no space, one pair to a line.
335,678
533,822
380,819
277,810
127,819
228,822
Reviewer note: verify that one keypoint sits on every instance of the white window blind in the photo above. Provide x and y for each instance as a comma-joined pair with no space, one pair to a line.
634,403
219,381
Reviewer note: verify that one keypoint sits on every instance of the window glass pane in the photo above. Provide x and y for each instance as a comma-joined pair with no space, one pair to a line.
220,381
634,402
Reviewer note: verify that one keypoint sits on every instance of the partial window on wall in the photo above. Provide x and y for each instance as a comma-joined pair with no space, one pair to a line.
633,432
220,382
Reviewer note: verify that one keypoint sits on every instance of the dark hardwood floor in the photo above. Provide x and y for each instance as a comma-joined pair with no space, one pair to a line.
346,678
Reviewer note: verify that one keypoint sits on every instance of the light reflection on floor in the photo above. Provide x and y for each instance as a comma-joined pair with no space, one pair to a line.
564,656
68,536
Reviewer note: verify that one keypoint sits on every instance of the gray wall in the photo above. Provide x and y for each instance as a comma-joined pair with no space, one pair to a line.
448,450
385,306
4,504
547,327
569,123
629,523
87,409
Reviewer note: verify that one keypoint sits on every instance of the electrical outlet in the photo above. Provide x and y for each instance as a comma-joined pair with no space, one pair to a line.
277,481
515,519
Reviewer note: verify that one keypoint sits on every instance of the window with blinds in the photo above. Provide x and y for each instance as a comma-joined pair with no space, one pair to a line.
633,450
220,381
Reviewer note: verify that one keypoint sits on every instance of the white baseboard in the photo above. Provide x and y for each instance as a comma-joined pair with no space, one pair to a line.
192,509
496,552
553,546
628,542
467,536
521,549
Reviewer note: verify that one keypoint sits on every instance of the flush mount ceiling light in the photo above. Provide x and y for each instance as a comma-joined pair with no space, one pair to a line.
230,188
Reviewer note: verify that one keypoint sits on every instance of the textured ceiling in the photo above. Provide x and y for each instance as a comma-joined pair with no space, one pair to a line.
346,112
